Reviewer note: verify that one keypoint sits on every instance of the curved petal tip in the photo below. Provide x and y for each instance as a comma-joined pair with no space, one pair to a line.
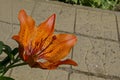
22,15
72,39
51,20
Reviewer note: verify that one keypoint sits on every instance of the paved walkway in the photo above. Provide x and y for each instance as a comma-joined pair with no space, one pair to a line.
97,51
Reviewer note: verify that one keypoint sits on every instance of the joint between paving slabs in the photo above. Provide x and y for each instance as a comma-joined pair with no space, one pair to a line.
70,72
118,33
75,21
33,8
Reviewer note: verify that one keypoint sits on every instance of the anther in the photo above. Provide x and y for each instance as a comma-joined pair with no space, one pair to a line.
54,37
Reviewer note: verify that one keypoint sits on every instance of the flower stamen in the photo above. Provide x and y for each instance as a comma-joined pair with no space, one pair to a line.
40,53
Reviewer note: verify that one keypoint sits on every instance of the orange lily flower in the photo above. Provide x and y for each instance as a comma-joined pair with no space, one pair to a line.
39,47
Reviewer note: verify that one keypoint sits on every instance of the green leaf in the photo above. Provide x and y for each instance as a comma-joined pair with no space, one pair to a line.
14,51
1,69
1,47
10,57
6,78
5,61
7,49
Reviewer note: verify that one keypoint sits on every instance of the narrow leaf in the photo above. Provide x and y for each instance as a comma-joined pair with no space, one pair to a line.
6,78
1,47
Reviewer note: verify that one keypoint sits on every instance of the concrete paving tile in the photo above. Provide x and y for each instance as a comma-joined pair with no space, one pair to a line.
64,15
2,56
9,9
6,10
5,31
8,74
97,56
57,75
112,62
14,31
95,78
96,24
17,5
75,76
27,73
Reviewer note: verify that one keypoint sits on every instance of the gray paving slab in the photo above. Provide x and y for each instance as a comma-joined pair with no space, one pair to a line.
17,5
75,76
96,24
27,73
61,75
6,10
9,9
97,56
65,16
5,31
14,31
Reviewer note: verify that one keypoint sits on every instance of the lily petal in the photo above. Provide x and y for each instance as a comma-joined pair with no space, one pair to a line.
45,29
68,61
48,25
60,47
48,65
27,25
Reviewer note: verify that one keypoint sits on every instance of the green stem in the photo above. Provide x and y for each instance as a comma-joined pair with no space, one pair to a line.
21,64
12,65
